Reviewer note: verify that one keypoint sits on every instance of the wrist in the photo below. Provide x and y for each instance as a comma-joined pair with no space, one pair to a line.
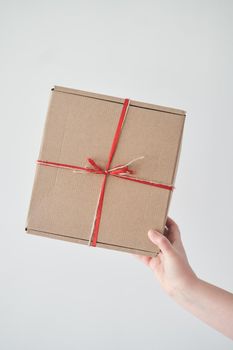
184,292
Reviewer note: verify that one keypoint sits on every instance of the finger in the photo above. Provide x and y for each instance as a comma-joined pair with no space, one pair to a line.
161,241
155,262
173,228
144,259
166,231
170,223
170,235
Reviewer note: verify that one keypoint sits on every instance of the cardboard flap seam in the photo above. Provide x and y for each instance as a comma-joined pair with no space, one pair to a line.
30,230
132,103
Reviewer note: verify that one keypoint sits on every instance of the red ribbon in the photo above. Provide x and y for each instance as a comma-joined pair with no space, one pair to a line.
120,171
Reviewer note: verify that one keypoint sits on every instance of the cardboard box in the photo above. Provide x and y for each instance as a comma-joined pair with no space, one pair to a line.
81,125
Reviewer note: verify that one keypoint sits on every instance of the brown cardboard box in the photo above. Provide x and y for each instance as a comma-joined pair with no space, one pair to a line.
81,125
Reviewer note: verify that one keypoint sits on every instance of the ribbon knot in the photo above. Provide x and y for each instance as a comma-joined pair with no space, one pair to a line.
118,170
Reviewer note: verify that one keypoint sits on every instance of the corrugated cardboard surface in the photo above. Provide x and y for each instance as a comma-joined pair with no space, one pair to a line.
81,125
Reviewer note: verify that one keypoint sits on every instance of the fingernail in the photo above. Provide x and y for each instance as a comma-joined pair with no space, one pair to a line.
151,232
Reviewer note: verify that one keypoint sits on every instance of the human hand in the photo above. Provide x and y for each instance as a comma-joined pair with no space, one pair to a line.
170,266
175,275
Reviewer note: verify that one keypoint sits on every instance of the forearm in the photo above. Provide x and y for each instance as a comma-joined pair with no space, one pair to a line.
209,303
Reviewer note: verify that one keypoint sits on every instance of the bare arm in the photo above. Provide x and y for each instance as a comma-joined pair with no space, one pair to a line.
209,303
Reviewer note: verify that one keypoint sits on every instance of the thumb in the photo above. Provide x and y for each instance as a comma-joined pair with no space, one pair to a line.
161,241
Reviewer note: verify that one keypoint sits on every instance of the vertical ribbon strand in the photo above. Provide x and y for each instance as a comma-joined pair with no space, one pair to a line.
95,227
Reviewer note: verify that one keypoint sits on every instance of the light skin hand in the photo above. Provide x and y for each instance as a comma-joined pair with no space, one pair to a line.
171,267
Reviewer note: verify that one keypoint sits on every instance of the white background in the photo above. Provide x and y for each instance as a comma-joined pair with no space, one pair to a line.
59,295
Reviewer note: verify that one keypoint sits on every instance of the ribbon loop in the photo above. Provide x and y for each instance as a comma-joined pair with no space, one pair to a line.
96,166
123,170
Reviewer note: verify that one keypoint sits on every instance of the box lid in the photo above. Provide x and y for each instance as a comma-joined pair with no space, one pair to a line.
81,125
